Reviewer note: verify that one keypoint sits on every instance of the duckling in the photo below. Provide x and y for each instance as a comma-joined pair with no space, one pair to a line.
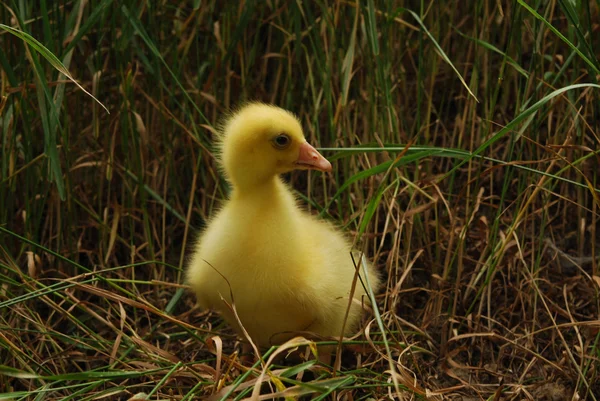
287,270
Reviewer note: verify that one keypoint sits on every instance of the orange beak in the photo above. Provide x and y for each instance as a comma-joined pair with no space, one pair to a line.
310,159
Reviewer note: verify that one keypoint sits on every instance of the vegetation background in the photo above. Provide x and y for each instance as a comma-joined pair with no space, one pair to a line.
465,142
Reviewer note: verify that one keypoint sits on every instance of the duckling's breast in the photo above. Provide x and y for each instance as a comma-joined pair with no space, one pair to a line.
255,252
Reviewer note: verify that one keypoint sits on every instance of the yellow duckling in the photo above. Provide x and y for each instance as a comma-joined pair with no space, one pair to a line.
287,271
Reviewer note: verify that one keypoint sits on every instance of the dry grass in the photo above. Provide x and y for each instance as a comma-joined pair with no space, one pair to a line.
481,210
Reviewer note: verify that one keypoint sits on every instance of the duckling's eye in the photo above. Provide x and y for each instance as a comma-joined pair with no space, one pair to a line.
282,141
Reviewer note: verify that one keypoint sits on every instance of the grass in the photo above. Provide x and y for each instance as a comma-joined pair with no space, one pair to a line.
465,140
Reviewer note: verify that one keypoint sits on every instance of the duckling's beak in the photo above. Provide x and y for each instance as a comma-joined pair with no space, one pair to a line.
309,158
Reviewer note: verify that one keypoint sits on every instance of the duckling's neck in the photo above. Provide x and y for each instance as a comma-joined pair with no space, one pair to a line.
271,193
270,188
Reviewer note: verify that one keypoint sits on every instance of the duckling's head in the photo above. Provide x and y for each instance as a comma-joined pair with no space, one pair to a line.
261,141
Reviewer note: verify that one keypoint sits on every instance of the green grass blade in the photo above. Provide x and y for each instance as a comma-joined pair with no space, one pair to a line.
520,118
49,56
589,62
436,45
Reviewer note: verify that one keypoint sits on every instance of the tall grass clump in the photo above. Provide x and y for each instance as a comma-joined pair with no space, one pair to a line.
465,138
